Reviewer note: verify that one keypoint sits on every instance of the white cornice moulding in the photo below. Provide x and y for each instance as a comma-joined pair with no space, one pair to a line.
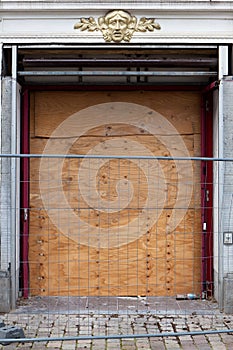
177,26
169,38
59,5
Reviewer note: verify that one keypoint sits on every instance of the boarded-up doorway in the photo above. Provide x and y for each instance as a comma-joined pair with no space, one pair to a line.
109,238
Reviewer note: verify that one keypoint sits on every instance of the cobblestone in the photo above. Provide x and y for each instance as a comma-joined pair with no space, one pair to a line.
45,325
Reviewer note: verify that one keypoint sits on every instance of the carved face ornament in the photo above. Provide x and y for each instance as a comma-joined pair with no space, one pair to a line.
117,25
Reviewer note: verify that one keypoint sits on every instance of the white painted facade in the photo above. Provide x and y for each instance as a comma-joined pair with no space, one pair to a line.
182,22
50,24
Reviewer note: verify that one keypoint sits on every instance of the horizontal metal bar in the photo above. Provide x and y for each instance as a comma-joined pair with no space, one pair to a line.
103,156
116,73
121,62
116,336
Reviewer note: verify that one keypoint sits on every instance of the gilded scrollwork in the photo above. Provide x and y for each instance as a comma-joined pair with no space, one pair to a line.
117,25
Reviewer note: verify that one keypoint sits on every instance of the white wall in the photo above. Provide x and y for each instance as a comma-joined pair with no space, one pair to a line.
52,22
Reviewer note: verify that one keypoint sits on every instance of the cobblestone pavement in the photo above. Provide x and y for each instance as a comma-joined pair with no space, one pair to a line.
64,324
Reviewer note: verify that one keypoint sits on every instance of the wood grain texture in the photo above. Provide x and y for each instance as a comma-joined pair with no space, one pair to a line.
155,256
179,108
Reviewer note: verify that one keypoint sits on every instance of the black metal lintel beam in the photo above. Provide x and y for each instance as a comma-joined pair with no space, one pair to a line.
165,62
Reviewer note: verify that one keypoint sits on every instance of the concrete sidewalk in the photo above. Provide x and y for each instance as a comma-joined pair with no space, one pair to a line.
41,319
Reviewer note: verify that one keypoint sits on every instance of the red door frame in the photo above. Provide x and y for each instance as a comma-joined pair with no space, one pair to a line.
206,174
207,191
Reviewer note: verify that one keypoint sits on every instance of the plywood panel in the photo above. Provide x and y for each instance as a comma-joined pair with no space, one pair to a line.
156,255
181,109
105,239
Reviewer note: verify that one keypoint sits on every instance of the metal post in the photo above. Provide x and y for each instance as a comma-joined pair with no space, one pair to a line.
223,71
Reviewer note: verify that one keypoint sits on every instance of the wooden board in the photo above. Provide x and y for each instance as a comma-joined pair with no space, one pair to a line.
115,226
51,109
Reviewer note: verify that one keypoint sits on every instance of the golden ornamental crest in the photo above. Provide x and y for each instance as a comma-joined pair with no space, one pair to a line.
117,25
